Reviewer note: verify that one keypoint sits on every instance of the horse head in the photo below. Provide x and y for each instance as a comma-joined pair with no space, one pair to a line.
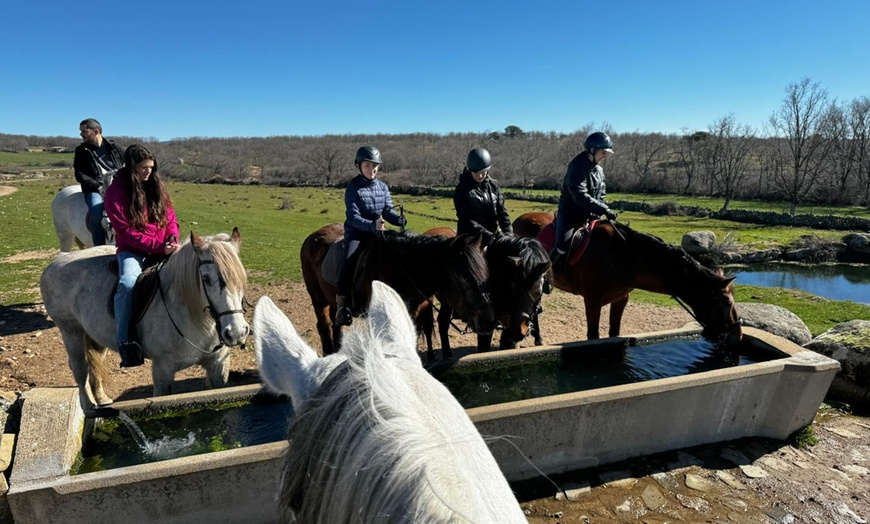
718,313
468,282
369,413
213,269
517,269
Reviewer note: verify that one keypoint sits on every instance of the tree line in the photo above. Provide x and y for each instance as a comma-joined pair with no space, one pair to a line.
813,149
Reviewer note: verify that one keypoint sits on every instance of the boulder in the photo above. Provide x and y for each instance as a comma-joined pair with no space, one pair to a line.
849,344
775,319
698,242
858,243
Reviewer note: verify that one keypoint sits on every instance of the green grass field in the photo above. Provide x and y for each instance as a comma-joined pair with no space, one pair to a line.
35,159
275,221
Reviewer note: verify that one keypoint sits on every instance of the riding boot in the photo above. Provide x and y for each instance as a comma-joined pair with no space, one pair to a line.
557,257
343,315
131,354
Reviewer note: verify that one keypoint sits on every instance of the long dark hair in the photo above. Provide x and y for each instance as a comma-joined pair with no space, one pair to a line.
149,199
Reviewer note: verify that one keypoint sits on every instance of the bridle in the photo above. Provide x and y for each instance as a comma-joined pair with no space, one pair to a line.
212,310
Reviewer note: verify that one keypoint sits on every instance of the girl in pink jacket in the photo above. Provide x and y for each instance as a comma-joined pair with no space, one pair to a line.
140,211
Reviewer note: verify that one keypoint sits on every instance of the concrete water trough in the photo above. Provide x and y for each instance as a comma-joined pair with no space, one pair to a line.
773,398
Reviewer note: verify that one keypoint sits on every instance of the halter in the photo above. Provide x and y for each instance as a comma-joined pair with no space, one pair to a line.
210,307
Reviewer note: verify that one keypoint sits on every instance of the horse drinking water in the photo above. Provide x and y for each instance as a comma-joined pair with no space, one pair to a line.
195,314
619,259
375,438
416,266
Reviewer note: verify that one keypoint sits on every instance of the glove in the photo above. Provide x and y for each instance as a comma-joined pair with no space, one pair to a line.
611,215
403,221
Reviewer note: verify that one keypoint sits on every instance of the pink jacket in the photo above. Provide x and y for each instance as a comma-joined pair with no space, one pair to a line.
148,242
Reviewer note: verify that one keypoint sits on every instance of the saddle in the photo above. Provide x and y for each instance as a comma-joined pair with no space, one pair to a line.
330,268
579,242
143,291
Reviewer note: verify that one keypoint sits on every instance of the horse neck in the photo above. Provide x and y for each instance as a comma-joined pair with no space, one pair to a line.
180,283
418,268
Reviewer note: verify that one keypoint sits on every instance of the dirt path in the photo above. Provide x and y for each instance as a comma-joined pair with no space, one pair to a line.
7,190
828,483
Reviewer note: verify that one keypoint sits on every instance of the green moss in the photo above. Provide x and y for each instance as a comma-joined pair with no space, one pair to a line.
804,438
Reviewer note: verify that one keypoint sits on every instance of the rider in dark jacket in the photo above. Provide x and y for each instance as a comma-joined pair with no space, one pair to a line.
583,193
368,204
478,201
95,158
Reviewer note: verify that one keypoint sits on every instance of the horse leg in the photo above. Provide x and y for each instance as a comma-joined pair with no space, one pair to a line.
617,308
593,321
535,328
444,317
75,343
162,375
217,369
326,330
426,323
97,372
484,342
505,342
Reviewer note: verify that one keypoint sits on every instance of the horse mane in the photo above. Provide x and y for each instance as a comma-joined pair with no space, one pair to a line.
368,417
181,271
666,259
425,249
533,257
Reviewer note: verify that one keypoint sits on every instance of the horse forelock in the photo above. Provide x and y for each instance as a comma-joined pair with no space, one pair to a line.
364,445
183,271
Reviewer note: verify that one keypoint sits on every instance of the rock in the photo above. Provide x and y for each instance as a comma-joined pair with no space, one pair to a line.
699,242
698,483
617,479
752,257
857,470
7,444
694,503
857,243
800,255
753,472
653,498
843,509
573,492
730,479
849,344
775,319
666,480
738,458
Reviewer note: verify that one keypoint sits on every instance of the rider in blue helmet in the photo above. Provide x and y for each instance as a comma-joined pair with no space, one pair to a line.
583,193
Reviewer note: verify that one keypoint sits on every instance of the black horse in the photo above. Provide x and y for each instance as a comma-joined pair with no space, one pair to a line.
517,272
416,266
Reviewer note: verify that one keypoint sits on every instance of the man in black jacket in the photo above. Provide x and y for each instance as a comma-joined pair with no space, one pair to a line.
95,159
583,193
478,201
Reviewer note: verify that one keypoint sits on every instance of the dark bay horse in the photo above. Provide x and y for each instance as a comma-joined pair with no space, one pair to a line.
619,259
416,266
517,270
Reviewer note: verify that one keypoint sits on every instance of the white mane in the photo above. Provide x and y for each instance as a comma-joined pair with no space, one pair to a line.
375,436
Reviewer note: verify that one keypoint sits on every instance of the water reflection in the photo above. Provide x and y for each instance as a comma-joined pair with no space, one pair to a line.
833,281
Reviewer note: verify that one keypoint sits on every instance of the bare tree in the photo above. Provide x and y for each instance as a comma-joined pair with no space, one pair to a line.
859,129
328,157
798,131
727,155
688,152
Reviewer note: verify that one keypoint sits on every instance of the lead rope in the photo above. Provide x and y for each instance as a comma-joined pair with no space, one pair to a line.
177,329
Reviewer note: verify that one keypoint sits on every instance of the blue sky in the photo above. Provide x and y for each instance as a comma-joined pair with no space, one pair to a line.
179,68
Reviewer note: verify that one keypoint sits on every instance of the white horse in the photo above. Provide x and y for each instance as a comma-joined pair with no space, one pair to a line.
70,215
375,438
194,316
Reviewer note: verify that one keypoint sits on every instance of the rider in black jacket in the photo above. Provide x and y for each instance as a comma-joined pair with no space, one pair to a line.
583,193
95,158
478,200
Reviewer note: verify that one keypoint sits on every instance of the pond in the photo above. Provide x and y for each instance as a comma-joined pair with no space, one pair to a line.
833,281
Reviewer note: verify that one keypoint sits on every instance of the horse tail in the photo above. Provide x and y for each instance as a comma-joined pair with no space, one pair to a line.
96,362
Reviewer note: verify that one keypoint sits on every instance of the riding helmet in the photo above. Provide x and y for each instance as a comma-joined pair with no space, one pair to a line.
599,140
478,160
367,154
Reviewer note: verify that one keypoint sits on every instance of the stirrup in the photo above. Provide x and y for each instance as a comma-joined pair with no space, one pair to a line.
131,354
343,317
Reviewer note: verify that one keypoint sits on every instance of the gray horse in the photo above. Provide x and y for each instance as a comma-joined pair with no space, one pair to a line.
193,318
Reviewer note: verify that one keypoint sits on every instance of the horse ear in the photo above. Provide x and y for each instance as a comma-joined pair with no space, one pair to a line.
516,261
197,242
236,237
390,322
283,358
727,282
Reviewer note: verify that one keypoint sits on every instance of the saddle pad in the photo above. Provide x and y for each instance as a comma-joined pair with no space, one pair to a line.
547,238
143,291
332,262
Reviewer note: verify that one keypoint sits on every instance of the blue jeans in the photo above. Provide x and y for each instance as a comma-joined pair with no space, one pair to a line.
129,269
95,216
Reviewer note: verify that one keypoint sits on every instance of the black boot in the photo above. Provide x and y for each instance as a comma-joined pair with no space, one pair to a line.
343,315
131,354
557,258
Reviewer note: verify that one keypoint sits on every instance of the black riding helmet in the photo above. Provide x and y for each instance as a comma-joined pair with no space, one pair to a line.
478,160
598,140
367,154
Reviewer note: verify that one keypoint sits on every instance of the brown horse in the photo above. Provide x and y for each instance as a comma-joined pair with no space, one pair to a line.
517,271
619,259
416,266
